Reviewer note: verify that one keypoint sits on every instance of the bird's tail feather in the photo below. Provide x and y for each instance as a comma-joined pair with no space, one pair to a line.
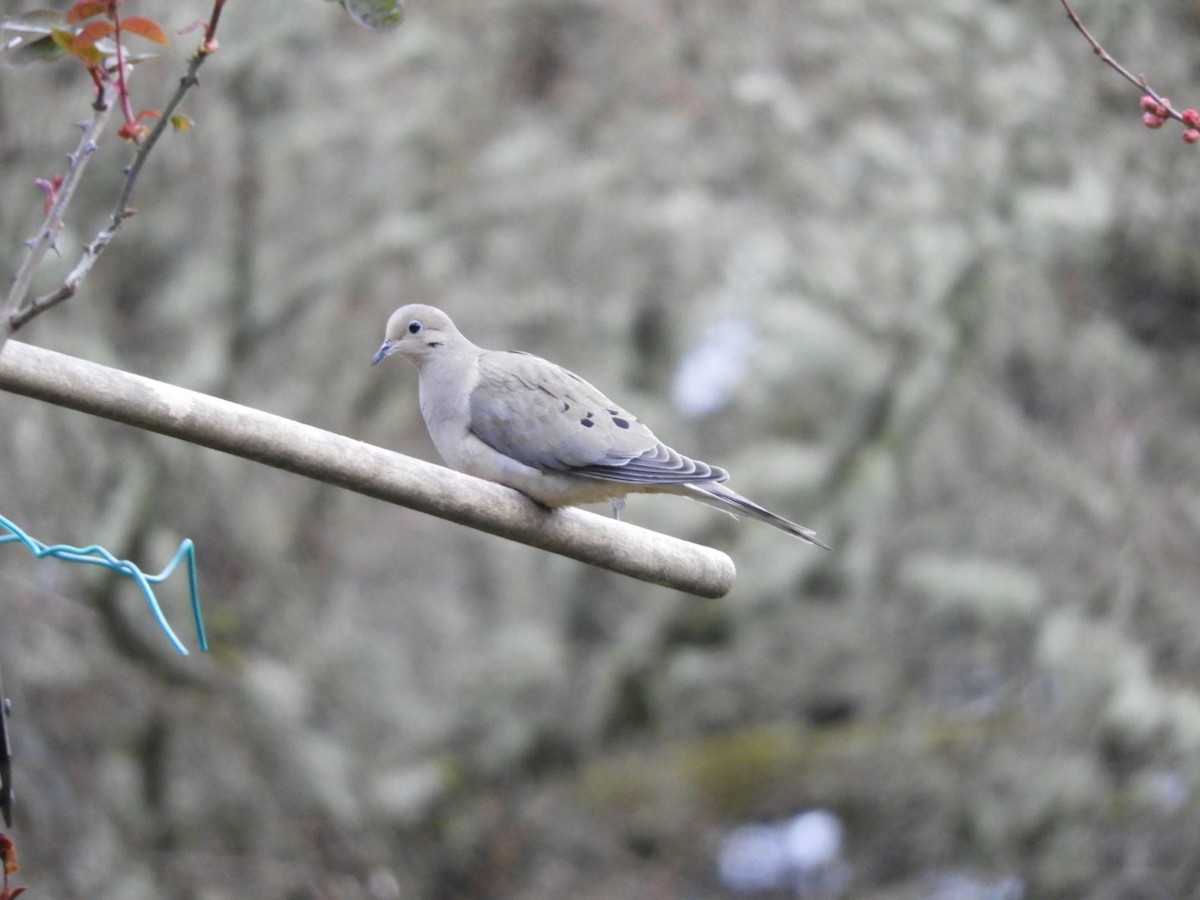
716,494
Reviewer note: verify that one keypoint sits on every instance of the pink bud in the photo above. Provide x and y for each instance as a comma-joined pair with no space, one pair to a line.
1150,120
1191,118
1191,135
1155,107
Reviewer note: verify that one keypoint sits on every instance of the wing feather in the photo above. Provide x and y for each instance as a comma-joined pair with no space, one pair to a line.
549,418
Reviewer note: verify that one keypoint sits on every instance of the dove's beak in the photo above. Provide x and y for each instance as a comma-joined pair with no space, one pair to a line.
384,350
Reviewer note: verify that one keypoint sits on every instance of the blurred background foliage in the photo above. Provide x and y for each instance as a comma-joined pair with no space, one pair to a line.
912,271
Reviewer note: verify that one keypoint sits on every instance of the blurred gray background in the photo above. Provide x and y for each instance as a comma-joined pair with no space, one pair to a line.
913,271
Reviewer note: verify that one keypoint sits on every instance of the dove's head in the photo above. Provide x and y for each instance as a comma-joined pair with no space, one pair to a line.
417,332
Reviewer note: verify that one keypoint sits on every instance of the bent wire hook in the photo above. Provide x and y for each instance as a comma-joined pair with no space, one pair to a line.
98,556
95,555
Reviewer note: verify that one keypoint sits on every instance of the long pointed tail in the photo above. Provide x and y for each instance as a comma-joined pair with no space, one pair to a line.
716,494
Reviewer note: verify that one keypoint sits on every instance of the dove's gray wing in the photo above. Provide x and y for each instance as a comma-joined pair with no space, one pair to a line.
548,418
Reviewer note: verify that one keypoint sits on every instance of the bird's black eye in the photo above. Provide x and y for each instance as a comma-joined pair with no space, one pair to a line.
414,326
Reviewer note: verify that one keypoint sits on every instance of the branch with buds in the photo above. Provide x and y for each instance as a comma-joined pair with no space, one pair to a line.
93,32
1156,109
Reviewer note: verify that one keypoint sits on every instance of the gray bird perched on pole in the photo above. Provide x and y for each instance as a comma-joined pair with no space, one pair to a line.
527,423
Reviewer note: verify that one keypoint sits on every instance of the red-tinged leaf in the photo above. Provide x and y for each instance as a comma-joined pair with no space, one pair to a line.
85,9
148,114
8,854
147,28
133,131
87,36
12,893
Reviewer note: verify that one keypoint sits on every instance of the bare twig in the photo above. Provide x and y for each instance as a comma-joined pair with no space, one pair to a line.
210,31
47,235
122,74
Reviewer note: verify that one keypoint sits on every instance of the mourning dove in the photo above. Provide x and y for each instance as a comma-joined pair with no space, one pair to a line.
529,424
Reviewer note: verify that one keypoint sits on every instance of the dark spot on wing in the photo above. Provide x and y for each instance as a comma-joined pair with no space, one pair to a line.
586,423
620,423
566,406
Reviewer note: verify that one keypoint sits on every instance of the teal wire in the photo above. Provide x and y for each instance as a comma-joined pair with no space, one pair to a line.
98,556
